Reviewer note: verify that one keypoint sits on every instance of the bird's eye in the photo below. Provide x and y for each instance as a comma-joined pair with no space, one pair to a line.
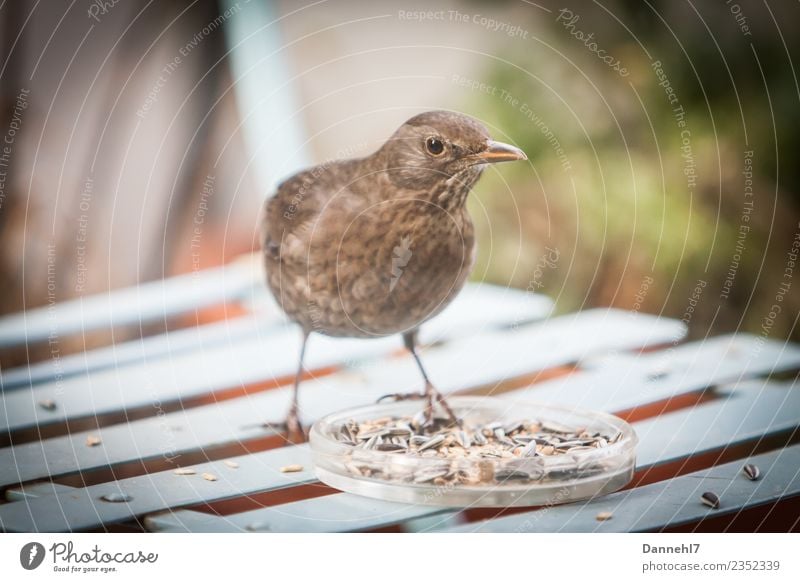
434,146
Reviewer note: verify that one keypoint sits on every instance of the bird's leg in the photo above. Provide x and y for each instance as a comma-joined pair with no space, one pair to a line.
430,394
292,425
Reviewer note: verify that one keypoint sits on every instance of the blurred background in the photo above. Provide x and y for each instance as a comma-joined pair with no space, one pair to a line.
141,138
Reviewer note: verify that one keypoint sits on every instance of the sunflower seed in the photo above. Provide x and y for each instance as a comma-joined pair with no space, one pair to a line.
511,475
513,427
551,426
604,516
710,499
479,439
48,404
365,436
291,468
752,472
116,497
92,441
184,471
529,450
429,475
209,477
463,439
390,448
231,464
433,442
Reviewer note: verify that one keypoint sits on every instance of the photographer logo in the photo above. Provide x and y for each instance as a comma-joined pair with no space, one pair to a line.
31,555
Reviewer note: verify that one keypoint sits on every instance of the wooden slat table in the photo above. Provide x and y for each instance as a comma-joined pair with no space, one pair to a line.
199,398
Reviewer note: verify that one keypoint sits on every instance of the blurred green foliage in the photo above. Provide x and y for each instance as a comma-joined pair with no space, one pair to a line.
623,210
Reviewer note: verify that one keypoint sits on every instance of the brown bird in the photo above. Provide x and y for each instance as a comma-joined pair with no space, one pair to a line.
378,245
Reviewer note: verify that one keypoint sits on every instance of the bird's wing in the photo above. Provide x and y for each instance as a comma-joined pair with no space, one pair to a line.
302,206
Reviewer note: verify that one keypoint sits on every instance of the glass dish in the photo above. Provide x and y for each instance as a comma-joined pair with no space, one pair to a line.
466,481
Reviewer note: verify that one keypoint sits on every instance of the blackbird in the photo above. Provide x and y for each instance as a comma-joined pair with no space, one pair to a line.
378,245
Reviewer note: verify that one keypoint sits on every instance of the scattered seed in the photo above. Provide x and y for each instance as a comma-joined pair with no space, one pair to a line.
710,499
92,441
184,471
604,516
209,477
752,472
48,404
116,497
291,469
231,464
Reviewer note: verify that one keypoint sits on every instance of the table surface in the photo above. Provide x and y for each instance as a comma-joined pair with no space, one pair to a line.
91,441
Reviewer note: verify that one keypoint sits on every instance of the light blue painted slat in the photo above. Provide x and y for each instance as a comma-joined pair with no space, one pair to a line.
338,512
149,348
741,414
481,360
622,382
80,510
148,302
665,504
246,360
36,490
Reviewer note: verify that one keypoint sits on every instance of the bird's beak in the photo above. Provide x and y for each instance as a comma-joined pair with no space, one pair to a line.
499,152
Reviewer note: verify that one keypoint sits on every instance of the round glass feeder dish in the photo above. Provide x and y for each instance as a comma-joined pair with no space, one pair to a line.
575,454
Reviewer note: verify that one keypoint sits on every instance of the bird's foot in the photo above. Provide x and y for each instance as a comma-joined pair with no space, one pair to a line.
290,429
433,398
400,397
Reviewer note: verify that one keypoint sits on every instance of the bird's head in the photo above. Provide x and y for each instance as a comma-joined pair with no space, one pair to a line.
437,146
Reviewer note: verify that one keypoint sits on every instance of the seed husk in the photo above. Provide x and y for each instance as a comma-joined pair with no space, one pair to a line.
92,440
710,499
604,516
433,442
291,468
184,471
209,477
231,464
390,448
116,497
48,404
752,472
511,475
